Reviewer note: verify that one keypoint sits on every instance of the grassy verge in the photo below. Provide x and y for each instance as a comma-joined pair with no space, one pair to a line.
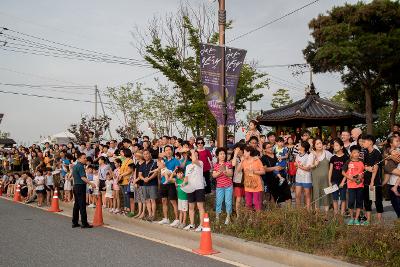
309,232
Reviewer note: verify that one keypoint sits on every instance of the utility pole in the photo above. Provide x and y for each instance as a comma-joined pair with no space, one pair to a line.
95,112
221,130
104,113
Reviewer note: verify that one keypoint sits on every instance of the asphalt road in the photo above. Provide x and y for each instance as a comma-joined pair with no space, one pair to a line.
33,237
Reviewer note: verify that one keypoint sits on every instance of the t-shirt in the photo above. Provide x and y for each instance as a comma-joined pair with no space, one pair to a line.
124,168
371,159
64,163
49,180
354,168
39,181
145,169
205,156
195,176
252,182
170,165
337,163
181,194
269,162
138,165
393,178
103,170
223,180
78,171
281,152
303,176
109,184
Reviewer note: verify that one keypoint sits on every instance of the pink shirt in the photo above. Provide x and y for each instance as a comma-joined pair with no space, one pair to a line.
204,156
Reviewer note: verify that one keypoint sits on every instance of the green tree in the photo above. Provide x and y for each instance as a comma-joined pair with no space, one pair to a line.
90,129
128,100
361,42
281,98
171,44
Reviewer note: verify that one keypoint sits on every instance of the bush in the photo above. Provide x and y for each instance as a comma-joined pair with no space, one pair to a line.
314,233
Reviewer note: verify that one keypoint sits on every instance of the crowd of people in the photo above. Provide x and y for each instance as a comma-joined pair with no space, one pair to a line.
137,177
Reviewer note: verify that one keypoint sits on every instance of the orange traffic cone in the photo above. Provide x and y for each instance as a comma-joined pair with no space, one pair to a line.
98,214
17,195
54,203
205,240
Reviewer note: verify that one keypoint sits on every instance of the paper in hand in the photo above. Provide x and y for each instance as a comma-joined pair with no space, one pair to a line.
331,189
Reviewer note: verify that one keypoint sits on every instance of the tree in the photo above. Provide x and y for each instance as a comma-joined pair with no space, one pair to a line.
127,99
171,44
361,42
90,129
281,98
160,110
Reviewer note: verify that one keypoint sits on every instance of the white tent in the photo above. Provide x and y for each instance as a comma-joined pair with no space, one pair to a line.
62,138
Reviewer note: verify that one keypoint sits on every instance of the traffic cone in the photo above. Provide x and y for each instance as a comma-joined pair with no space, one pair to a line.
17,195
98,214
54,203
205,239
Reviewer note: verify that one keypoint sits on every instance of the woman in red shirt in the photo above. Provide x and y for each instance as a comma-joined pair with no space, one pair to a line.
206,157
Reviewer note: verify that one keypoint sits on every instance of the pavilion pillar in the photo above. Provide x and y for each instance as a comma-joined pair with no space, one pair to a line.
333,131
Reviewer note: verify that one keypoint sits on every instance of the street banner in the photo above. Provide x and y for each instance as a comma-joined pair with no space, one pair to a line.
211,69
234,59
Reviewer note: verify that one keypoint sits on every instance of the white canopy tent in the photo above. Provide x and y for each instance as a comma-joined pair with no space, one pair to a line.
62,138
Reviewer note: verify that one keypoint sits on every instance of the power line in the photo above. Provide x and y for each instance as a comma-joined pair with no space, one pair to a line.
47,96
41,77
49,86
280,65
273,21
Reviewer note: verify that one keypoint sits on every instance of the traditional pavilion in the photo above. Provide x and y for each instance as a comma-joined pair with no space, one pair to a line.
311,111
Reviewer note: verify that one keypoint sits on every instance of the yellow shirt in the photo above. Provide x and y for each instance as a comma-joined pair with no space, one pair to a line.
124,168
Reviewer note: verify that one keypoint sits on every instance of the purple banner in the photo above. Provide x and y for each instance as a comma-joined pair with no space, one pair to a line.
234,59
211,67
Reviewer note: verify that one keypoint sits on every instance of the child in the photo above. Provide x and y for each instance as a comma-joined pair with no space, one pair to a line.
10,185
49,185
390,165
177,176
40,191
335,175
353,171
96,181
29,183
68,184
116,177
89,190
281,153
109,192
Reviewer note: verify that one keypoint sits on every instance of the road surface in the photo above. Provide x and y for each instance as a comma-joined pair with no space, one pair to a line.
33,237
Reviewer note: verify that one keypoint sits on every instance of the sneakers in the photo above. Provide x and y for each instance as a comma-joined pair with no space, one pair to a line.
174,223
281,180
356,222
181,226
189,227
351,222
92,206
199,229
130,214
227,220
164,221
365,223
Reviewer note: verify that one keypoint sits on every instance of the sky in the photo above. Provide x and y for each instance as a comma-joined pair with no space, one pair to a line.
107,26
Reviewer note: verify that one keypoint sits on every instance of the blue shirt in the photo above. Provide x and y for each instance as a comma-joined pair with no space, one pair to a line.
170,165
64,162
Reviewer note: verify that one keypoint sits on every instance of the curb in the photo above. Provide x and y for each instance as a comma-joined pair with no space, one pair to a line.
254,249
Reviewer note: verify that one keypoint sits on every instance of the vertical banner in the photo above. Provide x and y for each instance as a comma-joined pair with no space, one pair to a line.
234,59
211,68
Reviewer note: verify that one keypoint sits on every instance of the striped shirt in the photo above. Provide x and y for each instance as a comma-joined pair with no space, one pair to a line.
223,180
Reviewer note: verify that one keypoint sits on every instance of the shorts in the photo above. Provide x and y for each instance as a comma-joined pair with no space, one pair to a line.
168,191
339,194
305,185
355,198
196,196
49,187
139,195
150,192
102,185
238,191
131,194
390,166
43,191
182,205
109,194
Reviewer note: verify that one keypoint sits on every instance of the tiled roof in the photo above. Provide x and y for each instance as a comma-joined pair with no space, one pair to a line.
312,107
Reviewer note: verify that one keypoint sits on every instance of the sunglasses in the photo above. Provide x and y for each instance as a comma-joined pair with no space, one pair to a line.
200,143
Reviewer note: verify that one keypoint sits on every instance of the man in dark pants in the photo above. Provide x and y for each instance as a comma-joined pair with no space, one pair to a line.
80,181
